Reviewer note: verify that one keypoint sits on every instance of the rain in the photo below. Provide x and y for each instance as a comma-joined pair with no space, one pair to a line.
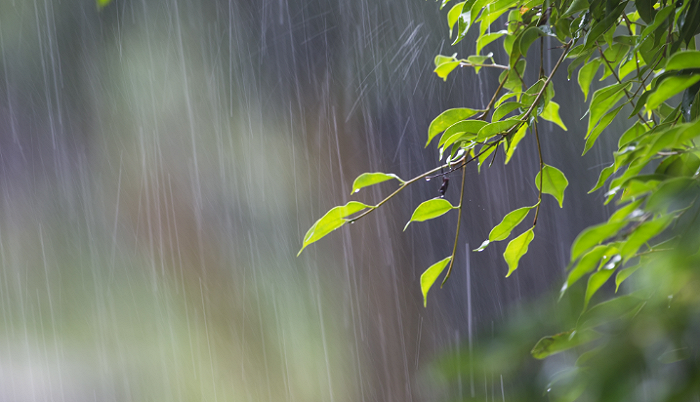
161,161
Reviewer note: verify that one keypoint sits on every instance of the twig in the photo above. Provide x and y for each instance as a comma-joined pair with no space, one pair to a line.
466,63
459,222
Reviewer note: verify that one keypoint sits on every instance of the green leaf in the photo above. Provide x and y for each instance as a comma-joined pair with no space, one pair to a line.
592,236
430,276
529,36
669,87
488,38
589,263
504,109
516,249
461,127
604,175
444,69
551,113
610,310
683,60
553,182
646,9
642,234
602,125
576,6
597,280
603,100
448,118
429,210
509,222
624,274
632,134
514,140
550,345
603,25
623,212
331,221
368,179
102,4
586,75
498,127
453,15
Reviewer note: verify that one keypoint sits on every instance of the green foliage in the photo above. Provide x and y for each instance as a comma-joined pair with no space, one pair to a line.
645,53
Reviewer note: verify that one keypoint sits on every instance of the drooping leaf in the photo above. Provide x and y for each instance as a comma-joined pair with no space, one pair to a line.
603,100
624,274
368,179
447,118
631,134
602,125
597,280
670,87
576,6
428,278
550,345
551,113
453,15
610,310
590,262
504,109
605,24
646,9
594,235
429,210
604,175
509,222
529,36
444,69
553,182
331,221
586,75
516,249
514,140
488,38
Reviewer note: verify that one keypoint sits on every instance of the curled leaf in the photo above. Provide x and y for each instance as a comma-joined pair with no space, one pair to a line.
430,276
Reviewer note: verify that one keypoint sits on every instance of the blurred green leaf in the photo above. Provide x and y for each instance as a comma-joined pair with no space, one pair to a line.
331,221
516,249
103,3
428,278
593,235
429,210
642,234
604,175
624,274
553,182
550,345
598,279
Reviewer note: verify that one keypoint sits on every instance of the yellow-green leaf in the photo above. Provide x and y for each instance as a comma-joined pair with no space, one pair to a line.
331,221
551,113
553,182
684,60
513,143
368,179
516,249
509,222
448,118
429,210
444,69
593,236
430,276
669,87
550,345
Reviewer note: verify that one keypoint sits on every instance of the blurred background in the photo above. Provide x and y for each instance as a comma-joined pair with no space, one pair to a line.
161,160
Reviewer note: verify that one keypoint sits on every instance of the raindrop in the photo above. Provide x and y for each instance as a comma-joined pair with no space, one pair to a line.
427,179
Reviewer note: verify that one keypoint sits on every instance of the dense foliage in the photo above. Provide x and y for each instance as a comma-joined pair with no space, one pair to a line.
642,343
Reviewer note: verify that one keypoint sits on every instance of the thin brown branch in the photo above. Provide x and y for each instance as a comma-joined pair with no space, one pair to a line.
459,222
539,196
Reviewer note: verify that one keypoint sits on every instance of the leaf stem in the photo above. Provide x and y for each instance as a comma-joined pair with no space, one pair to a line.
627,94
459,222
539,197
465,63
